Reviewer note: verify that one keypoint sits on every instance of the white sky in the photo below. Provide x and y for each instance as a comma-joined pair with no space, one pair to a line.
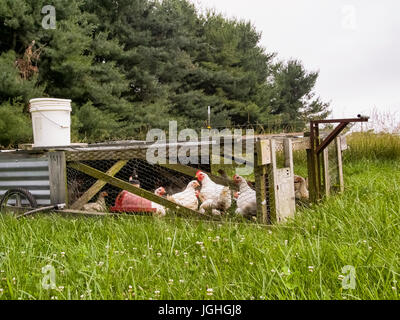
355,45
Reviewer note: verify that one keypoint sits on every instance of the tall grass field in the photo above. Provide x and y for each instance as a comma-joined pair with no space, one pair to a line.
49,256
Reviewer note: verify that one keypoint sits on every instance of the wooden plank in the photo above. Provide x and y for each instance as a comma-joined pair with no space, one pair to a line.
131,188
259,175
264,154
96,187
340,163
343,143
325,168
58,177
288,153
283,182
312,179
123,154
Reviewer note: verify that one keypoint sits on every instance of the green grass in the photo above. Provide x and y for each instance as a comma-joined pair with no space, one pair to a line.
137,257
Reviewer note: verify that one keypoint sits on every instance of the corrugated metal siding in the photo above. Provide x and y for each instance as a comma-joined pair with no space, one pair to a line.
31,174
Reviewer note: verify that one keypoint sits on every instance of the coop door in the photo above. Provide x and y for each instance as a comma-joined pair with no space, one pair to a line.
285,197
283,179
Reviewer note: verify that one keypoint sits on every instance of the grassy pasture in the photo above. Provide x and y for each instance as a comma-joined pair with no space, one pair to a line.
146,258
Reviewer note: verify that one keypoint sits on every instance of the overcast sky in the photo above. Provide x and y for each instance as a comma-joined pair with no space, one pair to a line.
354,44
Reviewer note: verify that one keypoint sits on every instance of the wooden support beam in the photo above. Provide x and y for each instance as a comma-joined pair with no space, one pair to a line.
339,145
96,187
58,177
312,176
325,168
131,188
260,173
331,137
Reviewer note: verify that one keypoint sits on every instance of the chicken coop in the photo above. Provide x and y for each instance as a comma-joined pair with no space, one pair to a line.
120,172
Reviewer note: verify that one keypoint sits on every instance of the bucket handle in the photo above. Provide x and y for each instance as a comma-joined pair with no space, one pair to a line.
60,125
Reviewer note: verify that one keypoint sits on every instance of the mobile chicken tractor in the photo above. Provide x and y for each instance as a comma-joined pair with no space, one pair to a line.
118,177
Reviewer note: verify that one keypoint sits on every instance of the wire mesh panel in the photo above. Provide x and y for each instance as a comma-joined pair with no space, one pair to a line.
136,171
214,195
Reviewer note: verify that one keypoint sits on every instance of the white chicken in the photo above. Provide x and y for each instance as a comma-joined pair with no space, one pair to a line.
99,205
160,210
246,199
214,196
187,198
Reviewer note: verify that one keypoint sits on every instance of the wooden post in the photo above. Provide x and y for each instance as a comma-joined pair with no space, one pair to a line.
325,168
58,178
96,187
338,142
312,178
260,173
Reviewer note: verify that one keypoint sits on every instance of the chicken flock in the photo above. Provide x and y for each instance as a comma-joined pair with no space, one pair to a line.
206,196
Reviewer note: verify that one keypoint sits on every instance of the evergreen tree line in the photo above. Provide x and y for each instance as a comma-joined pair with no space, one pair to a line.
131,65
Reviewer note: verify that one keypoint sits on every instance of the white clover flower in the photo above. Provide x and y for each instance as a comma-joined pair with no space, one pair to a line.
157,292
159,254
204,257
251,263
181,281
169,238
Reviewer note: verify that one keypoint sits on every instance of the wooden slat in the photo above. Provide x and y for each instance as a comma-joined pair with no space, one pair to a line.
96,187
325,168
264,154
260,172
58,177
131,188
339,145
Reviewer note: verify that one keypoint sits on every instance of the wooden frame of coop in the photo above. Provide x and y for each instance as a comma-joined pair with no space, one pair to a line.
274,185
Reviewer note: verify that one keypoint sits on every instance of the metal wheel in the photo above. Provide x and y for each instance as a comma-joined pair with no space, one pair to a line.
17,200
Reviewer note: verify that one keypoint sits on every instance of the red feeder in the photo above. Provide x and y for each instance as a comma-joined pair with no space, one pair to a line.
129,202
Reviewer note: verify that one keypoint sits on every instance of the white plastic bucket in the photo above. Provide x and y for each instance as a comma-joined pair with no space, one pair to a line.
51,122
